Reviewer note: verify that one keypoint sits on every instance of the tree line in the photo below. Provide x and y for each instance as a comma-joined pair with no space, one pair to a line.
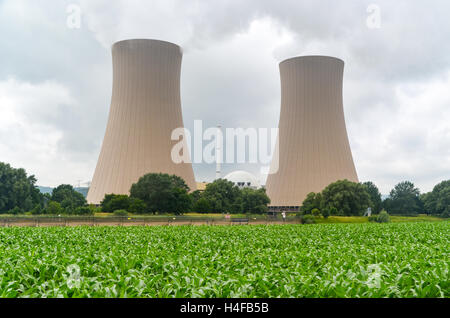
164,193
346,198
151,194
19,194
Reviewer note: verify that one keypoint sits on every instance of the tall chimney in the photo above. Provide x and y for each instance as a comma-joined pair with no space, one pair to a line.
313,145
145,109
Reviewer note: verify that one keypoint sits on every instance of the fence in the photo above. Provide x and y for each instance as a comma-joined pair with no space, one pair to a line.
136,221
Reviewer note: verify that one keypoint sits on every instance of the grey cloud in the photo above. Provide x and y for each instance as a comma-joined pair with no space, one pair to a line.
230,75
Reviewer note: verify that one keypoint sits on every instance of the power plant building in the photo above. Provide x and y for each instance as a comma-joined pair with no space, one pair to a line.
145,109
313,146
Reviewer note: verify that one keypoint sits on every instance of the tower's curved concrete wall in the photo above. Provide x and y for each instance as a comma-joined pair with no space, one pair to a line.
313,145
145,109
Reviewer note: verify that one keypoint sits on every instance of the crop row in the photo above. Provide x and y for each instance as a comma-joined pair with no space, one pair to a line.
328,260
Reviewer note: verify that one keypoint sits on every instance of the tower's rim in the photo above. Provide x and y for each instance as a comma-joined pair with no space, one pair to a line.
122,42
301,57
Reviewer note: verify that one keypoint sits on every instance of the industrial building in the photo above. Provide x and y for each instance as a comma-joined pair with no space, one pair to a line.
145,109
313,146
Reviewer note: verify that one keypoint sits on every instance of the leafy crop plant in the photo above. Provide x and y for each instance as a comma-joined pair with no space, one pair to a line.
326,260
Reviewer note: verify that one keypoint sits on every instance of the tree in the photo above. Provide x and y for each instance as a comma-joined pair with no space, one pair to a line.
113,202
315,212
327,212
382,217
254,201
223,196
17,190
349,198
202,206
83,210
437,202
54,208
137,206
195,196
312,201
162,193
375,196
68,197
404,199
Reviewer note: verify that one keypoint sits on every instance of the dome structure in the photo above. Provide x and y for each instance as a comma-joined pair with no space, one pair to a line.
243,179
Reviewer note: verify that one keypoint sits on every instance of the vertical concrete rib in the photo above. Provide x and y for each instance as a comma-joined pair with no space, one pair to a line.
313,145
145,109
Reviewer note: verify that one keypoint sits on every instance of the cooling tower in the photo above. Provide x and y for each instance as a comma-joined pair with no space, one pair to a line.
145,109
313,147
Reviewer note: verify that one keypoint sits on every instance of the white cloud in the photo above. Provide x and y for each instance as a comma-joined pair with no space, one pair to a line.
30,132
410,141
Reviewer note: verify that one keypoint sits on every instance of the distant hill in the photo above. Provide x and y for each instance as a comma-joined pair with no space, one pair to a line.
82,190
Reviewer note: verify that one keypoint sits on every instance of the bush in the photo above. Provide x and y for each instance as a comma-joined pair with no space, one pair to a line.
36,210
121,213
94,209
308,219
333,211
54,208
383,217
15,211
83,210
202,206
316,212
113,202
446,214
137,206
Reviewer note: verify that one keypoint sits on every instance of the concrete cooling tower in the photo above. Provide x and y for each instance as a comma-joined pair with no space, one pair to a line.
313,147
145,109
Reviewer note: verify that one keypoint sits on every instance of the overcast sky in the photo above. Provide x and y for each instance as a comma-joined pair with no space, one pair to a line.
55,81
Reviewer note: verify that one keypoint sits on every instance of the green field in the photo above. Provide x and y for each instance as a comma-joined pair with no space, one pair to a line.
324,260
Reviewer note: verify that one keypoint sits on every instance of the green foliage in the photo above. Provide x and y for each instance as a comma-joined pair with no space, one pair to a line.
83,210
69,198
383,217
15,211
113,202
223,196
312,201
437,202
17,190
348,198
315,212
397,260
254,201
327,212
94,209
404,200
202,206
162,193
121,213
195,196
333,211
375,196
137,206
54,208
36,210
308,219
